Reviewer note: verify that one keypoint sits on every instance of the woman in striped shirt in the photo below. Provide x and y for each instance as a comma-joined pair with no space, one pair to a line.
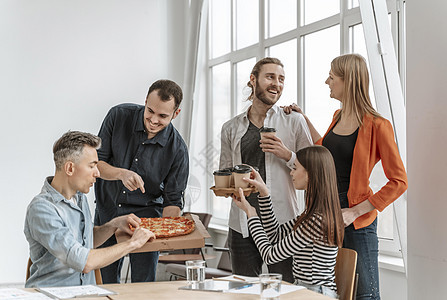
313,237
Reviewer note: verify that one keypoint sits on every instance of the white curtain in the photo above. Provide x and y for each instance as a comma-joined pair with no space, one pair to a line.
193,121
195,25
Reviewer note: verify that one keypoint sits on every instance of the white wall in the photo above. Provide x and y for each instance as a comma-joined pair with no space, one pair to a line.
393,284
63,64
427,148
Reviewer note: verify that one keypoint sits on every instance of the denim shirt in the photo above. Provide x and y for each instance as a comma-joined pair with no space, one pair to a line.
162,162
60,236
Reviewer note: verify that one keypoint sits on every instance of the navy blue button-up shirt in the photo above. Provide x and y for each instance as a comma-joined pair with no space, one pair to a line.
162,162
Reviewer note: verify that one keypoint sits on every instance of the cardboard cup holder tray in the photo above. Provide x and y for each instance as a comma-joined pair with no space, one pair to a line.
226,192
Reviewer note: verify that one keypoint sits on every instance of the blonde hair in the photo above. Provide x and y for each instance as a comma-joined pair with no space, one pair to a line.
354,72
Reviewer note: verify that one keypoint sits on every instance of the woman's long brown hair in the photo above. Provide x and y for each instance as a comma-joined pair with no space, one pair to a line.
322,193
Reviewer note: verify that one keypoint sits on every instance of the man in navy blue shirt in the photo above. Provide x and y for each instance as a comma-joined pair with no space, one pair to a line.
144,169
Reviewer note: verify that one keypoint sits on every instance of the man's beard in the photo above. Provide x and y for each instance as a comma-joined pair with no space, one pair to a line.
262,96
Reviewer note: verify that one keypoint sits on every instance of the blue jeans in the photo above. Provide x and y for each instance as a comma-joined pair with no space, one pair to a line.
327,291
366,243
246,259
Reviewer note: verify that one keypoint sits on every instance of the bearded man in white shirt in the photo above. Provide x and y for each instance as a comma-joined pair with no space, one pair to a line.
273,156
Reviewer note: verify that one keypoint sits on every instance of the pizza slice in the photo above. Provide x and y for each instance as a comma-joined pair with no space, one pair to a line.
168,226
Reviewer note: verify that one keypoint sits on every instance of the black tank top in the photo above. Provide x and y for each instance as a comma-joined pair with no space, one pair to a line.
342,150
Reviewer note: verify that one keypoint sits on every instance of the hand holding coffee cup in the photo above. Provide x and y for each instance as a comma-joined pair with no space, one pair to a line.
255,180
268,135
240,172
267,132
272,144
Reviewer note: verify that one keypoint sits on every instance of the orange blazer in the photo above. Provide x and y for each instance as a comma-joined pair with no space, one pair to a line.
375,141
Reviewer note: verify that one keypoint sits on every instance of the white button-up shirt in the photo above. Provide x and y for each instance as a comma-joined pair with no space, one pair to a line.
294,133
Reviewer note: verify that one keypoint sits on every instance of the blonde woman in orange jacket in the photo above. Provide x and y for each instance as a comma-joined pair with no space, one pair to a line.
358,138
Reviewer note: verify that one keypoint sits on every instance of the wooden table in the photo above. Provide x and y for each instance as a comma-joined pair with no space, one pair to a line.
169,290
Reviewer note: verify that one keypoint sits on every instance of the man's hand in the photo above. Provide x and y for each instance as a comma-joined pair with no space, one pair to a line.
99,258
243,204
273,144
131,180
171,211
123,223
141,236
103,232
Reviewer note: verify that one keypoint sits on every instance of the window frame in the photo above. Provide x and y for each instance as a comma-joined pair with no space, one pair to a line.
346,18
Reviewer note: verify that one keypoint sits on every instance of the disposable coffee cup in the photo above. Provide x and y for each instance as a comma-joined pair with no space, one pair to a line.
239,172
195,271
267,132
222,178
232,177
270,286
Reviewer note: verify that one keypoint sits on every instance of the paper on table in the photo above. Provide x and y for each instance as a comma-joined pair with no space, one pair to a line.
255,289
15,294
238,278
76,291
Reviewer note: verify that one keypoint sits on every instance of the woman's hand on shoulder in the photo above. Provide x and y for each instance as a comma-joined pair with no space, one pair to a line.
293,107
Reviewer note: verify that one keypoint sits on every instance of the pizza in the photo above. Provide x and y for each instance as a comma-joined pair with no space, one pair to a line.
167,226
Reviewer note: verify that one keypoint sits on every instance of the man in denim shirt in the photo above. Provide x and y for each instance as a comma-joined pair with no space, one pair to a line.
58,224
144,169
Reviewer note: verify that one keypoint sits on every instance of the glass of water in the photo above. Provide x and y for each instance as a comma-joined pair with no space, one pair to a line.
270,286
195,271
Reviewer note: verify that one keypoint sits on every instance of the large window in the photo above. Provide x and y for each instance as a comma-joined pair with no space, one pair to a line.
306,35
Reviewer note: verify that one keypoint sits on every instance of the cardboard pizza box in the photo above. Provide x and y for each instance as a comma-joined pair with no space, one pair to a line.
195,239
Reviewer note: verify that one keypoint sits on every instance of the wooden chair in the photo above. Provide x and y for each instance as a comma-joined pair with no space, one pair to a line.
345,275
98,276
28,267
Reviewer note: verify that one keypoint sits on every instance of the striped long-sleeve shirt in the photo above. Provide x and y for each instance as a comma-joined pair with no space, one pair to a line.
313,258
